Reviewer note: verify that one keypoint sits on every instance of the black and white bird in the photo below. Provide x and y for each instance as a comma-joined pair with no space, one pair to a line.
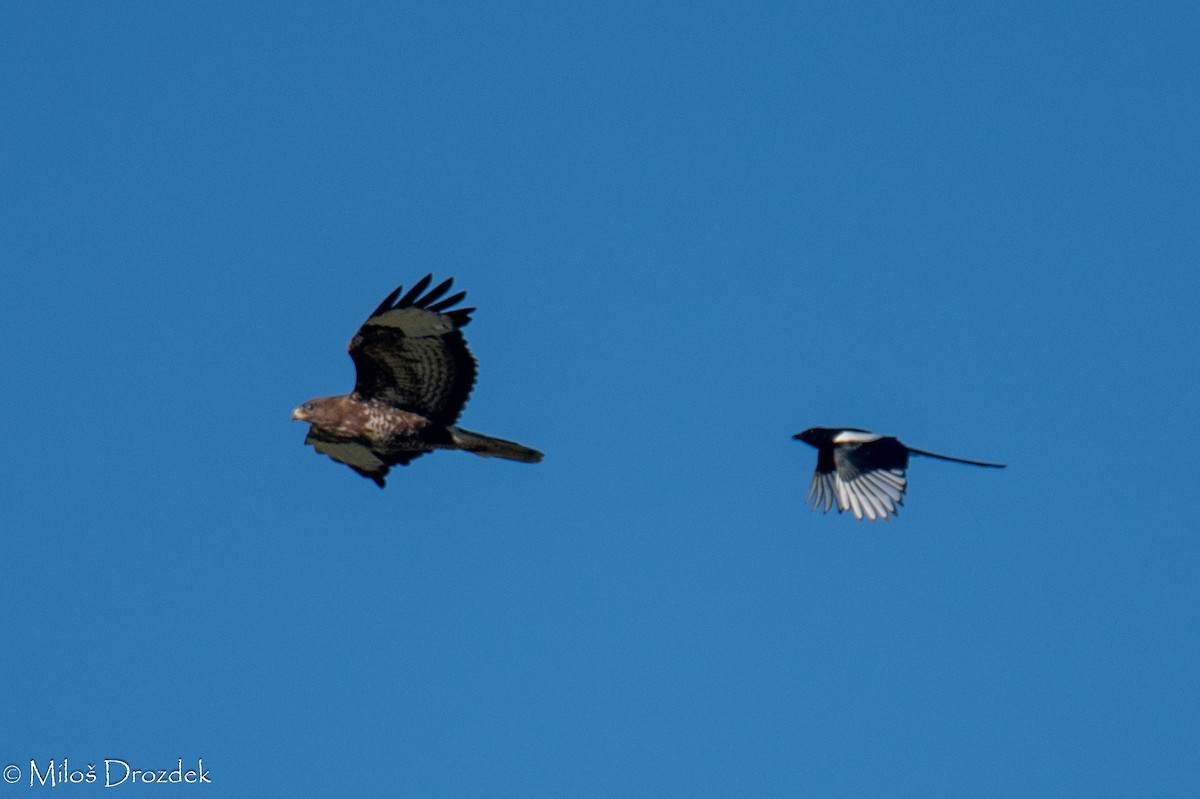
863,471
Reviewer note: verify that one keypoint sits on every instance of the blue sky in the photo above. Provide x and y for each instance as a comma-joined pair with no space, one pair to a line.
690,230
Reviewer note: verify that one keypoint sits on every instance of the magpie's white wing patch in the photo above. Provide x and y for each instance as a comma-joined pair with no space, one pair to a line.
873,495
870,495
821,491
856,437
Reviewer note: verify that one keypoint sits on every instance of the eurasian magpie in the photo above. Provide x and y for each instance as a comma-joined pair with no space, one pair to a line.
863,471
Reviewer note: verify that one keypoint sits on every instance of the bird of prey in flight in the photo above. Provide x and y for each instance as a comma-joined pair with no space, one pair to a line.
863,472
414,373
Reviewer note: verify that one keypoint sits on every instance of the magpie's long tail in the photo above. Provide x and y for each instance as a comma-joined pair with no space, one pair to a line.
490,447
915,451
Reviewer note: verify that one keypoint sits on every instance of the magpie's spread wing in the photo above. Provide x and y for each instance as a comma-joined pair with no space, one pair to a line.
822,491
869,478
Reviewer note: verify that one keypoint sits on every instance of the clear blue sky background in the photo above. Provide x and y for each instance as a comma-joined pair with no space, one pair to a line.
691,229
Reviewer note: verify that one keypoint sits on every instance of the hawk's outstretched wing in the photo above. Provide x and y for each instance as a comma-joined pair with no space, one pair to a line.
411,354
358,456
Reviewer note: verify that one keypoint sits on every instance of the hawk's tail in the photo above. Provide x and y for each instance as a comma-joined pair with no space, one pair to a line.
490,447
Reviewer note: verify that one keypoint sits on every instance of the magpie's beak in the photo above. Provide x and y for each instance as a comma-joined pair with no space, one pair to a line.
797,437
300,415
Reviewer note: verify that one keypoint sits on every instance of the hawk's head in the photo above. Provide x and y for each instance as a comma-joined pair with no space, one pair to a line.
329,413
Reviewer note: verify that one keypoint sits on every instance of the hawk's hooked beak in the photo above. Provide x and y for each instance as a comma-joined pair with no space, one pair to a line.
300,415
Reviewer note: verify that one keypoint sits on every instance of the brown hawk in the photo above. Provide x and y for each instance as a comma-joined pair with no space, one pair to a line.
414,373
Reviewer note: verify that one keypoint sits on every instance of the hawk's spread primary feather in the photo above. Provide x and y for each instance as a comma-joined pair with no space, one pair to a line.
863,472
414,374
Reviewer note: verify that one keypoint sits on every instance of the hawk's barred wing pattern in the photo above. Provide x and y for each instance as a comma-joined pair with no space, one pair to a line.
411,354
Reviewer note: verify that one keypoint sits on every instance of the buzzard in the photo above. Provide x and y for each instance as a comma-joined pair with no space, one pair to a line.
414,373
863,471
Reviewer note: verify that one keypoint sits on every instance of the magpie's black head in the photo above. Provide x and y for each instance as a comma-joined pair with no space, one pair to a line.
817,436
